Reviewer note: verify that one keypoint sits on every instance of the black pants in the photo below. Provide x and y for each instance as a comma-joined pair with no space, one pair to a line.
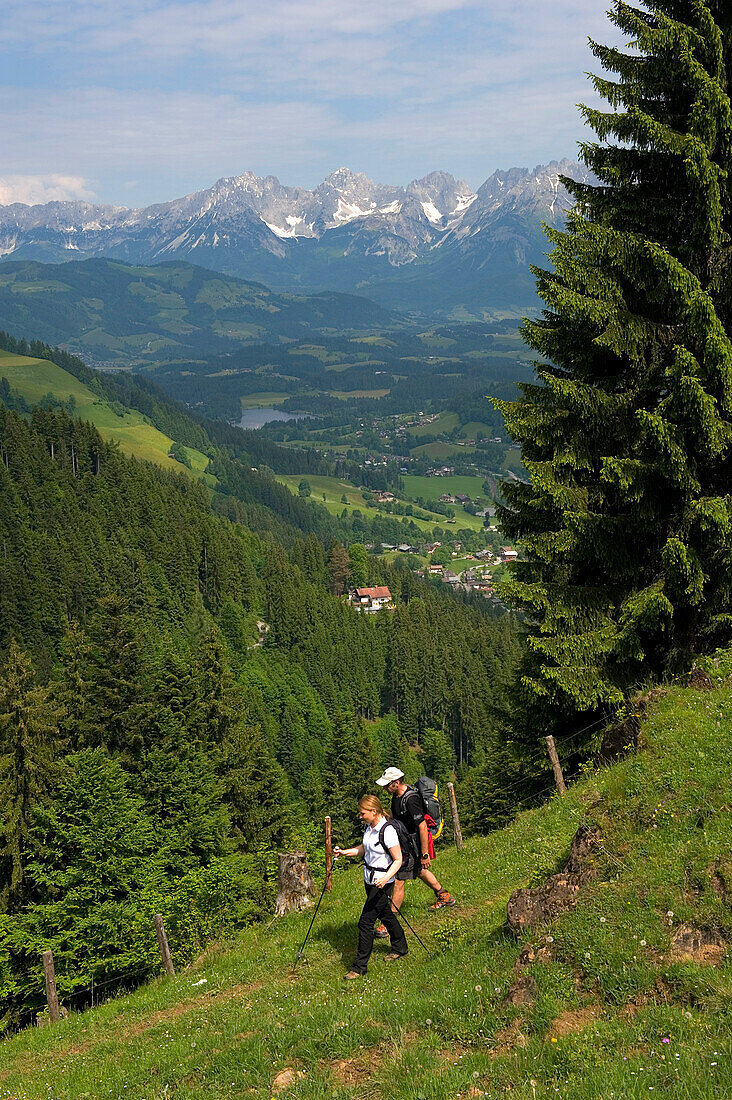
378,906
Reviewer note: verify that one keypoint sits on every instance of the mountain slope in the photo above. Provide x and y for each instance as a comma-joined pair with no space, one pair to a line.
35,379
615,1002
398,244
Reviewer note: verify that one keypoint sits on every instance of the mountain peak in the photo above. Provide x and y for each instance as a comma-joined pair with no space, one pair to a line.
348,182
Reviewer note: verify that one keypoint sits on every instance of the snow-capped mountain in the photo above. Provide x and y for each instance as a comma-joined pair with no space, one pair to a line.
349,233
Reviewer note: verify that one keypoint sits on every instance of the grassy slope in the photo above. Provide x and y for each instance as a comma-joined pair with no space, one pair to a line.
34,378
615,1016
432,488
334,489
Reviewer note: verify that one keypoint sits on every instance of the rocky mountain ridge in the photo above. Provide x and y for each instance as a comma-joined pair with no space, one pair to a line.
349,233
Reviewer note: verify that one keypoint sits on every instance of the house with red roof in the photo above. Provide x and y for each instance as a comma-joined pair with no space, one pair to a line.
371,599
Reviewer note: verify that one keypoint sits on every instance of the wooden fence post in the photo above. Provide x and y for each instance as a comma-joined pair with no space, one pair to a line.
163,945
558,777
455,819
49,974
328,856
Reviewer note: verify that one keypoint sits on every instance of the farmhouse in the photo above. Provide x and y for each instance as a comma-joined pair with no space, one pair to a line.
370,599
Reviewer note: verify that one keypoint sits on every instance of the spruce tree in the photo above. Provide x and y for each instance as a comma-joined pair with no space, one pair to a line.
28,726
351,767
626,524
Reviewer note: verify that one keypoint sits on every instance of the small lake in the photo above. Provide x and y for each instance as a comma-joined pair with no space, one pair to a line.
257,418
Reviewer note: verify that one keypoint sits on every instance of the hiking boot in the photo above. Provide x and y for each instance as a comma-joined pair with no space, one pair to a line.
380,932
444,900
349,977
395,955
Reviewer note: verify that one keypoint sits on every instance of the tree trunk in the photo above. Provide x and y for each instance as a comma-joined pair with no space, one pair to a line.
295,886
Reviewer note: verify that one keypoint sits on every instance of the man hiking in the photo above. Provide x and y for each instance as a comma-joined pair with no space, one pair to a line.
406,806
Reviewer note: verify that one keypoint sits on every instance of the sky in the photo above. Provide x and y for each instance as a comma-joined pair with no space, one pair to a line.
131,102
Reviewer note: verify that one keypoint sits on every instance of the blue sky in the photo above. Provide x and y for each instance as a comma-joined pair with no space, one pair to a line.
139,101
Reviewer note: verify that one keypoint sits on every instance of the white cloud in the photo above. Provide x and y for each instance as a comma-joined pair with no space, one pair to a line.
175,93
37,189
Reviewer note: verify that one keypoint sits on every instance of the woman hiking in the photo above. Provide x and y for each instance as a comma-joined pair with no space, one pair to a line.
382,856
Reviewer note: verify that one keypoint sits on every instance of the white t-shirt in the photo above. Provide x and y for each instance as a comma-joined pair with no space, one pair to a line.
376,859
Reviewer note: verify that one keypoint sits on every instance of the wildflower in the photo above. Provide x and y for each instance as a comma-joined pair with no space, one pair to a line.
602,920
479,989
554,1040
587,954
428,1022
670,913
665,1040
643,943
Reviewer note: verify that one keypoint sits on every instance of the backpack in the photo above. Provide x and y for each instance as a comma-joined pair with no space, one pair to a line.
405,841
427,790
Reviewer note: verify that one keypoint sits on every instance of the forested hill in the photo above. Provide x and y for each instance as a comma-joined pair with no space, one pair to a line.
152,754
117,313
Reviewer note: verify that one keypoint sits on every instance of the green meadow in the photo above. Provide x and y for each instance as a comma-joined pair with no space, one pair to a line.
34,379
432,488
329,492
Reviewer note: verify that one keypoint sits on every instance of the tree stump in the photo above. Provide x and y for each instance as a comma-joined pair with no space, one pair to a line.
295,886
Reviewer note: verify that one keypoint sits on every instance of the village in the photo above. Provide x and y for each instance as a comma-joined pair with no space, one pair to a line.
478,578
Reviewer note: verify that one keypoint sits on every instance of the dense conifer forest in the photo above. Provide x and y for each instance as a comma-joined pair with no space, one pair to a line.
156,744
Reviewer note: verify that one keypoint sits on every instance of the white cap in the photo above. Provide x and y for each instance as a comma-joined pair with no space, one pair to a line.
389,776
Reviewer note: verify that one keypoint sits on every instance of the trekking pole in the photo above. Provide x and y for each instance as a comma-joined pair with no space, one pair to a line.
301,952
396,909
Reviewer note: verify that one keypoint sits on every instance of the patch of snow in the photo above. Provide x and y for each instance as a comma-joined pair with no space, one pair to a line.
175,243
281,233
463,202
347,211
431,212
554,183
7,250
289,234
70,246
393,208
215,239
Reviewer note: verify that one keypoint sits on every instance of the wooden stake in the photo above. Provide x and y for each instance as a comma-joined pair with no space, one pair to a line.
455,819
49,973
163,945
328,856
558,777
